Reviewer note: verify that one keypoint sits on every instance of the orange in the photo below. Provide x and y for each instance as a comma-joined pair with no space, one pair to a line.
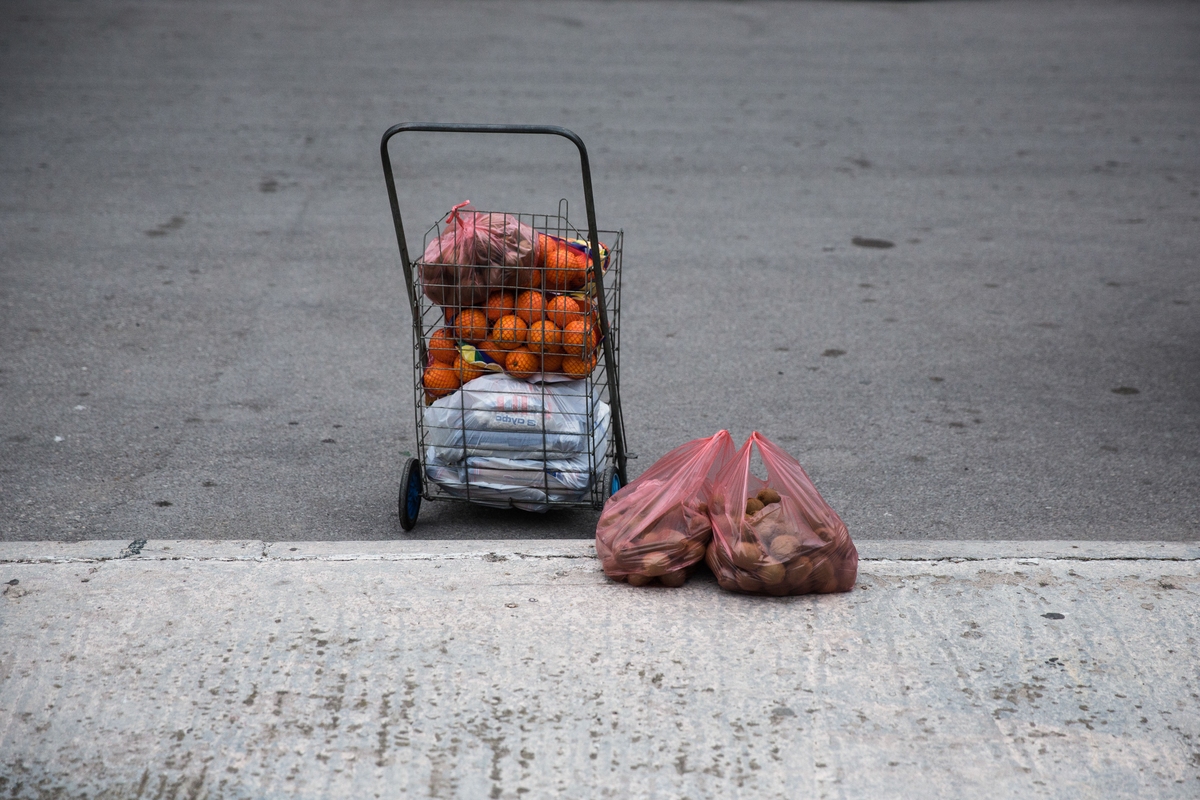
578,280
565,266
579,338
440,379
510,331
521,363
494,351
466,370
530,277
592,309
552,362
576,367
442,347
593,314
472,325
531,306
544,337
499,304
562,309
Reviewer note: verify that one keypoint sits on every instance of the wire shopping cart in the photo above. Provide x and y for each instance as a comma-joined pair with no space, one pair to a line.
515,352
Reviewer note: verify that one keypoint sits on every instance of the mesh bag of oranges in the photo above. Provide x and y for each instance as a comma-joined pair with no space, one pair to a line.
527,333
656,529
777,536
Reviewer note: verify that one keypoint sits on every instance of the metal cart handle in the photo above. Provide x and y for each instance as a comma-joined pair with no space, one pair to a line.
593,240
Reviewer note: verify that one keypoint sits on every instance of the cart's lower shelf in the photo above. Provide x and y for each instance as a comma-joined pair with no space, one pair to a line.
504,442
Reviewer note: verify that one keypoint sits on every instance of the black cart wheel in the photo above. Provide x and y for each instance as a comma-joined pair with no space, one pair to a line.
411,490
612,482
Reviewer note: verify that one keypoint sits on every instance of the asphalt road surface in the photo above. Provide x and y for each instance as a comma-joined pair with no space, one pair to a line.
203,331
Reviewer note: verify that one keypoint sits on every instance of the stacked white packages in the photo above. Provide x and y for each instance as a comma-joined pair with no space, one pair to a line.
502,442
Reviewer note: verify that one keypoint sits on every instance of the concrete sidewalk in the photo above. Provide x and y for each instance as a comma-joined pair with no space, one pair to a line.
515,669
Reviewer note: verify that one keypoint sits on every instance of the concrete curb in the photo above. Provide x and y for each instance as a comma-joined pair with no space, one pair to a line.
248,669
32,552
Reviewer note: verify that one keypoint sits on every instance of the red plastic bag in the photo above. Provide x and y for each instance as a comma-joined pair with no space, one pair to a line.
476,253
776,537
657,527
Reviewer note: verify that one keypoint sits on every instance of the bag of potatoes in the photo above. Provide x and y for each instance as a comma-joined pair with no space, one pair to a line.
476,253
776,536
656,529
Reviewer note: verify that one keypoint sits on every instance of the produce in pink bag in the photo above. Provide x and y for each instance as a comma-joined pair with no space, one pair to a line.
776,537
657,527
476,253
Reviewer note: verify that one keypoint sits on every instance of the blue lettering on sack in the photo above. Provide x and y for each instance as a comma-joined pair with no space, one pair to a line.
516,420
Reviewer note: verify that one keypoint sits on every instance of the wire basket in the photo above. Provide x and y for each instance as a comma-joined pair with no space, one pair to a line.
532,424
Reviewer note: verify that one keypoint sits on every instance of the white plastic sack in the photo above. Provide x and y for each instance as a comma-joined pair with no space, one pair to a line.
504,442
528,484
561,474
504,417
525,498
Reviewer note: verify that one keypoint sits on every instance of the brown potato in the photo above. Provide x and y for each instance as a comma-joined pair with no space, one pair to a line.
846,578
674,579
747,582
627,557
768,525
694,552
696,521
746,555
784,547
665,539
753,506
655,564
797,574
618,551
779,589
771,573
638,580
712,557
767,496
823,579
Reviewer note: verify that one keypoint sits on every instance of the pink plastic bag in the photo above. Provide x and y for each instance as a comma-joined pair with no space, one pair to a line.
476,253
657,527
776,537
